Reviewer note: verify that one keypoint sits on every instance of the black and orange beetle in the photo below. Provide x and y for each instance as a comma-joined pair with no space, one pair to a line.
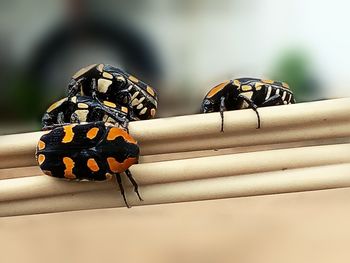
245,93
79,109
105,82
93,151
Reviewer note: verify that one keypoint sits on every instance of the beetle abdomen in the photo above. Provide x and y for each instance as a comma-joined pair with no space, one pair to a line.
92,151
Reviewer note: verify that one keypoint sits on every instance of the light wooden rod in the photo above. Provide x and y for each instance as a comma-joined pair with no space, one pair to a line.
296,180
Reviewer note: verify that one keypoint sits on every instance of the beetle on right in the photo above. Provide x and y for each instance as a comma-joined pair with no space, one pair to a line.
243,93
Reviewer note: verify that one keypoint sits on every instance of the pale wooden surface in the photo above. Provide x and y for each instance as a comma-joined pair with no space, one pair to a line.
199,176
299,227
321,120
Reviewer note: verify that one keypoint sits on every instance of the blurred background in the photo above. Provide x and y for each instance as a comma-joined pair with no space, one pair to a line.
181,48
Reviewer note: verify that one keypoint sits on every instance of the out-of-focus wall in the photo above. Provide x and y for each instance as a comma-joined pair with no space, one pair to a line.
181,47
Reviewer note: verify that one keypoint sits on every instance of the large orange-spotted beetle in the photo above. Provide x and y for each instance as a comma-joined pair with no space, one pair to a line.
105,82
79,109
245,93
93,151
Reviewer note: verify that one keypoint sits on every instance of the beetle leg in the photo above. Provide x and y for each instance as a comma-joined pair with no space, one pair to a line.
115,116
105,108
222,109
252,105
119,181
272,101
123,121
60,118
46,121
94,90
53,126
132,180
73,87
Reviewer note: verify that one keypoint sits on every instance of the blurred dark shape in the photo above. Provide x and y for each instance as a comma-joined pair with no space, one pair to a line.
80,40
293,67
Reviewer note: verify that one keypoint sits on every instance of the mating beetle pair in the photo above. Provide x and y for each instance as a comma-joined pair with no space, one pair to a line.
88,137
106,91
105,82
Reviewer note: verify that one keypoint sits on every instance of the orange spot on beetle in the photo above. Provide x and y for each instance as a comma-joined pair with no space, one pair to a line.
216,89
116,132
41,159
92,164
117,167
92,133
68,172
41,145
68,133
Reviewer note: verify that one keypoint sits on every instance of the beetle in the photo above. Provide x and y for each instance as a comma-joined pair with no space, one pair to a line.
93,151
245,93
78,109
105,82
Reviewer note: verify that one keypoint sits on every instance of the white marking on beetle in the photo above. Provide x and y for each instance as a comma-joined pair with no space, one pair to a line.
143,111
82,71
135,102
277,91
248,94
107,75
268,92
103,84
82,105
120,78
56,105
140,106
100,67
135,95
284,95
82,114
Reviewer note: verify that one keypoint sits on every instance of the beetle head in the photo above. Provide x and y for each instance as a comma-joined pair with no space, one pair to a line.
207,106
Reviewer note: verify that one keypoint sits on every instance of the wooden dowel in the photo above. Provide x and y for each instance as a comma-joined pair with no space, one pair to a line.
235,150
253,137
305,179
35,170
280,124
184,170
241,121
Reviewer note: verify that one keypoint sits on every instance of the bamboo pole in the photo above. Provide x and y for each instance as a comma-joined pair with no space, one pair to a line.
187,159
280,124
296,180
184,170
35,170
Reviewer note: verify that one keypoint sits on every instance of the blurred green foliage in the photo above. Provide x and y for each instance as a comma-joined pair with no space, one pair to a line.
293,67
